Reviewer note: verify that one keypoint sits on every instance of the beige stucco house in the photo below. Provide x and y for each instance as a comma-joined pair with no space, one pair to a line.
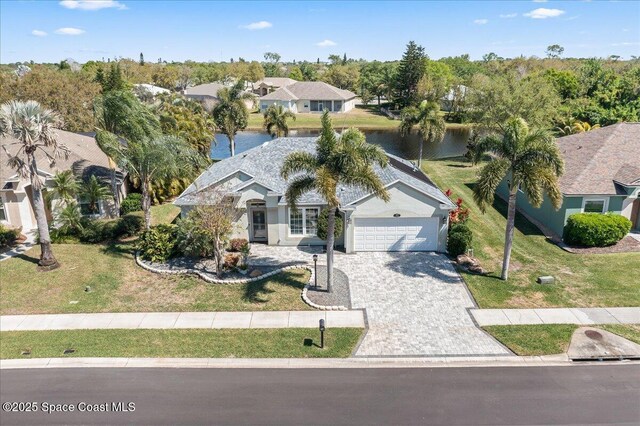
85,159
415,219
270,84
310,96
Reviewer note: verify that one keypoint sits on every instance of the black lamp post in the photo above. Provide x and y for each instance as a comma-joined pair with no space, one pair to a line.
315,270
321,334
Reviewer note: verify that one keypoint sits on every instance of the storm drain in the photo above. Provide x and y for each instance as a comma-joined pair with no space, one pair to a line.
595,345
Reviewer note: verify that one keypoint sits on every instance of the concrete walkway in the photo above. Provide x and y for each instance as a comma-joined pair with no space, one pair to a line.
20,248
183,320
580,316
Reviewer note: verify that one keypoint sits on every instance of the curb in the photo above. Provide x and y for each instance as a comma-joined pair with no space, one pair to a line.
440,362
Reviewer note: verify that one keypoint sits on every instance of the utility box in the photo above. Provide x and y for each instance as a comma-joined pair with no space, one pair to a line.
548,279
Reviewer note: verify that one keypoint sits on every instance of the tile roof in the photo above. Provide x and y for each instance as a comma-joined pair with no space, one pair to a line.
275,81
85,157
263,165
596,160
208,89
310,90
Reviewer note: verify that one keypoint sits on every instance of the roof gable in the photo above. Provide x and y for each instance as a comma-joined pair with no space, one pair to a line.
309,90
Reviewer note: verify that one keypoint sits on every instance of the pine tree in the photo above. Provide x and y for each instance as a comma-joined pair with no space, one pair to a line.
344,59
100,77
141,59
410,71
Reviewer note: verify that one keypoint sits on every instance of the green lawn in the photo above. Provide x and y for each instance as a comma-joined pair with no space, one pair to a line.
549,339
582,280
242,343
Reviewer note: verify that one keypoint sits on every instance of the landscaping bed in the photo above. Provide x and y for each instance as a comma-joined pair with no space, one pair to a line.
240,343
339,296
588,280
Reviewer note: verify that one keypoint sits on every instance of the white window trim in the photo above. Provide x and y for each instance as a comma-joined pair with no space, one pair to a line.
7,219
302,210
605,200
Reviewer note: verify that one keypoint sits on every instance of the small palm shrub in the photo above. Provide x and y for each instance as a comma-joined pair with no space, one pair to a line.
132,203
323,222
158,243
460,238
595,229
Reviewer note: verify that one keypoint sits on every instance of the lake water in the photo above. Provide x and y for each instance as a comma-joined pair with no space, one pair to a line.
454,143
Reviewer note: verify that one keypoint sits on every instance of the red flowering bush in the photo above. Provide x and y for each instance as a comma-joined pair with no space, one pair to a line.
459,214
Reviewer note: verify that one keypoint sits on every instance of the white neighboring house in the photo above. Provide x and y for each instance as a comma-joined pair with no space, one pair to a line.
269,84
310,96
415,219
151,89
85,159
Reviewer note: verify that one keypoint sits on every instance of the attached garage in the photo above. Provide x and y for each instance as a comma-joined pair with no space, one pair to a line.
396,234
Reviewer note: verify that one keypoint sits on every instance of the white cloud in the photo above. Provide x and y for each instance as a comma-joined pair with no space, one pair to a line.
509,15
326,43
39,33
626,43
69,31
481,21
260,25
92,4
544,13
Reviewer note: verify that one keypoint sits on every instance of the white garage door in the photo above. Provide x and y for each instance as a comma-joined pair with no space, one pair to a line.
396,234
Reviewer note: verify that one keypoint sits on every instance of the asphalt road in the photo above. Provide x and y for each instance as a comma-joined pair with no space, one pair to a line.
473,396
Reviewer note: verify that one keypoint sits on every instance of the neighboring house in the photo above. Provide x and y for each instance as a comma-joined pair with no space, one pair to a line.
150,88
452,100
209,93
415,219
269,84
85,159
602,174
310,96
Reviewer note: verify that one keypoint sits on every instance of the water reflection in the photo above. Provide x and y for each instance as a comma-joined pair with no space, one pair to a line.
454,143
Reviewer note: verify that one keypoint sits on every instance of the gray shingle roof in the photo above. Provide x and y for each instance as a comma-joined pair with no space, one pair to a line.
316,90
595,160
275,81
263,164
208,89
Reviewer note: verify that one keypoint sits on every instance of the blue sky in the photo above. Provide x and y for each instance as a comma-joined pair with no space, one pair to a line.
49,31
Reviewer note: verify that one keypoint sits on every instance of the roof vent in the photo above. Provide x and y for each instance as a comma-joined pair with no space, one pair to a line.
265,144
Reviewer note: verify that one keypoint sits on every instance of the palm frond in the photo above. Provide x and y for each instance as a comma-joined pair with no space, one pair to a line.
297,187
298,162
488,180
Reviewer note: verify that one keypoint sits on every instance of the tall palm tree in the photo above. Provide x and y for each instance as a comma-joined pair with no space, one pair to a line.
64,188
275,120
34,129
230,114
153,161
531,161
431,126
344,160
92,192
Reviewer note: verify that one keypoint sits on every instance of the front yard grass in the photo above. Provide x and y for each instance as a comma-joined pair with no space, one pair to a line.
117,284
550,339
241,343
588,280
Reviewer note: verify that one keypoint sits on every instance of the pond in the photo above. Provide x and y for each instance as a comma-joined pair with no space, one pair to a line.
454,143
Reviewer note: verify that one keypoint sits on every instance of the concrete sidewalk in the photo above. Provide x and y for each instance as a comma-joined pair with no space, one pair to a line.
183,320
580,316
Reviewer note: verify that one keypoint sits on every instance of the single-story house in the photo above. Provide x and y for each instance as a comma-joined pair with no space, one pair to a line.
151,89
454,97
415,219
269,84
602,174
209,93
310,96
85,159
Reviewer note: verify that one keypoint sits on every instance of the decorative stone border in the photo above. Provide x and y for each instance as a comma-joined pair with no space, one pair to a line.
208,279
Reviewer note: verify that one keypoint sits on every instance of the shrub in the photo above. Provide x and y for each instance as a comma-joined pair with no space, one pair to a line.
231,260
129,225
238,244
158,243
92,231
595,229
8,236
460,238
132,203
323,223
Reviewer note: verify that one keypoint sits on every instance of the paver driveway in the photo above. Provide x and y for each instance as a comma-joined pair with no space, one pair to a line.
416,305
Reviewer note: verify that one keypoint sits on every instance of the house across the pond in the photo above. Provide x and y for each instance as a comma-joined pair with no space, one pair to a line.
310,96
415,219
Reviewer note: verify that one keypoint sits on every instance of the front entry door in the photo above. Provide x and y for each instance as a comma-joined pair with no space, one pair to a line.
259,224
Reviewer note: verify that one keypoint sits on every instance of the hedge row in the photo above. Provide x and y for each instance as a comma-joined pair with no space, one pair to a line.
595,229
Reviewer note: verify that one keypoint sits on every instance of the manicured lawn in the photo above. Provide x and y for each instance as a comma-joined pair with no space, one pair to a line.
242,343
581,280
119,285
549,339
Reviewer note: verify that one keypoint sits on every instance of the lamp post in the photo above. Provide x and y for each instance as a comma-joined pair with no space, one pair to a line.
315,270
321,327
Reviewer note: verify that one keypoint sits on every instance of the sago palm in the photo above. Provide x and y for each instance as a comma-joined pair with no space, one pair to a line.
64,188
275,120
530,161
344,160
34,129
230,113
431,126
92,192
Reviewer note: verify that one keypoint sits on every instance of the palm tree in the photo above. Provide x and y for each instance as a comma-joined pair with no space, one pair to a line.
34,129
230,114
64,188
275,120
531,161
584,126
431,126
153,161
344,160
92,192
